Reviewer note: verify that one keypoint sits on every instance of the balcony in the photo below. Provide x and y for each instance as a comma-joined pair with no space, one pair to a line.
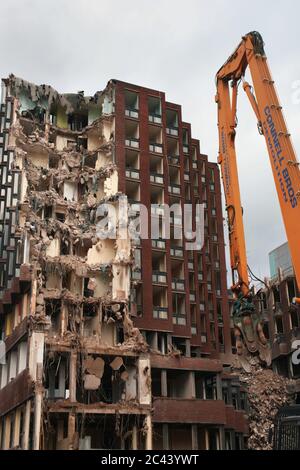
172,122
204,338
131,104
132,113
159,244
179,319
175,189
132,173
136,275
160,313
157,210
159,277
207,258
155,118
134,206
178,285
176,251
173,131
132,142
191,265
193,330
156,178
155,148
174,160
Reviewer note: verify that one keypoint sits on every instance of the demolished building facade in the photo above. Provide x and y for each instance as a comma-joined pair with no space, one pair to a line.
280,314
111,342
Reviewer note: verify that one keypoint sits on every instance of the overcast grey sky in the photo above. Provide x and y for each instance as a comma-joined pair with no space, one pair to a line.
176,47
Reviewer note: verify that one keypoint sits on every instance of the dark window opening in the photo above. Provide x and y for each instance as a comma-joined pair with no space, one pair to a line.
52,310
64,247
60,216
48,212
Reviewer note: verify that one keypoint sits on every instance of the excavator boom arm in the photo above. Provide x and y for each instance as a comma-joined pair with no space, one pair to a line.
285,167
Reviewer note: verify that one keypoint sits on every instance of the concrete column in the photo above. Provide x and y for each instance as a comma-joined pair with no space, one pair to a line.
60,430
165,430
192,384
33,296
155,341
72,375
24,305
164,385
16,436
26,426
38,407
134,442
71,430
194,437
63,323
219,387
7,431
206,440
222,445
188,348
148,422
62,379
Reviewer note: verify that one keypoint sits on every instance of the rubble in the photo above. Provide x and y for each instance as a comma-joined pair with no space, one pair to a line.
267,392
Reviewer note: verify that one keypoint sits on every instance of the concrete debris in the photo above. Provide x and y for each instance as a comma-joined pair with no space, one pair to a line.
124,375
116,363
94,366
91,382
267,392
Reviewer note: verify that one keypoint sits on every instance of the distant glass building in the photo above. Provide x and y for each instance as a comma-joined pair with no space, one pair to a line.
281,258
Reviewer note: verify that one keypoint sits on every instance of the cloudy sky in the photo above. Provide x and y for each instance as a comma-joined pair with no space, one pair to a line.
176,47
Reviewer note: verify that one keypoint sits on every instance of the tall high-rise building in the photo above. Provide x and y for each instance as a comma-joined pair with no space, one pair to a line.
111,342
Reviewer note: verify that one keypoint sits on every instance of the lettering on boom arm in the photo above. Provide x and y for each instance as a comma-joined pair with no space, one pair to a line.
282,172
226,166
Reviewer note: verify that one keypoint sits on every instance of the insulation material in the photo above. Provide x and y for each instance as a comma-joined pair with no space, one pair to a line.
91,382
70,191
111,185
94,366
116,363
144,381
131,383
53,248
120,282
103,252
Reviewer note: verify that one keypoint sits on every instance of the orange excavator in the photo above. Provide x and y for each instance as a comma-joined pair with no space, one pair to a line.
250,339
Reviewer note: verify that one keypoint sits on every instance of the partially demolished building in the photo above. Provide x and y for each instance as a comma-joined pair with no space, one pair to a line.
111,342
281,316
